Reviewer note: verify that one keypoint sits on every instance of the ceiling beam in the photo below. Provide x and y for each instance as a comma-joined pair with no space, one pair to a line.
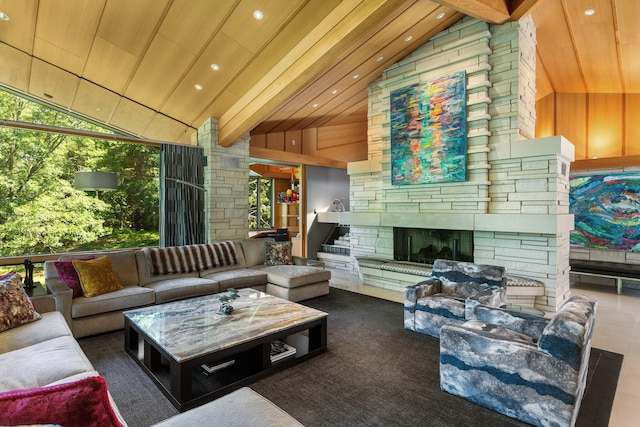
521,8
492,11
349,21
295,158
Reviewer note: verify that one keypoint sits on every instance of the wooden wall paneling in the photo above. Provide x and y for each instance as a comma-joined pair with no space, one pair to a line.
571,120
310,141
293,141
333,136
258,141
631,124
275,141
605,120
545,116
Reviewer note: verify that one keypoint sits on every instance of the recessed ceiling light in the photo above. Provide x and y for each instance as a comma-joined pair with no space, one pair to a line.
215,67
4,16
198,87
314,105
355,76
589,12
408,38
440,15
333,92
379,58
258,14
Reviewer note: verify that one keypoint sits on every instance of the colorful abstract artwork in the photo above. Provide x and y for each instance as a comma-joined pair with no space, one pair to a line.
429,131
606,209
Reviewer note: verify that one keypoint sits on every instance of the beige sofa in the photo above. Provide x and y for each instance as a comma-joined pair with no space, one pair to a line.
103,313
26,353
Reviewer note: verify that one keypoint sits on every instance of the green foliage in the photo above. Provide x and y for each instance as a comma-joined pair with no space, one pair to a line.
260,213
40,212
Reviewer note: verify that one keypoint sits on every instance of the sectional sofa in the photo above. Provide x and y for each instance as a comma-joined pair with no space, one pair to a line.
45,378
157,275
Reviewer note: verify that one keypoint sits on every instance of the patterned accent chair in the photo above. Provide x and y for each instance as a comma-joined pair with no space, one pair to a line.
454,288
526,367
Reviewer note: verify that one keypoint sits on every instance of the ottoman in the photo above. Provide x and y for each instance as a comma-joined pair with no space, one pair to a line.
244,407
296,282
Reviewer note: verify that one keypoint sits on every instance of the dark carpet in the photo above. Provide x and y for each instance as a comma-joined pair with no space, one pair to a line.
375,373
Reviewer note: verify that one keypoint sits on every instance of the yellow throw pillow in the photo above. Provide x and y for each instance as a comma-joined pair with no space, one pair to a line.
96,276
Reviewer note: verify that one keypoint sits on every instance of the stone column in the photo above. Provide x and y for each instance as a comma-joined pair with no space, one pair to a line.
226,177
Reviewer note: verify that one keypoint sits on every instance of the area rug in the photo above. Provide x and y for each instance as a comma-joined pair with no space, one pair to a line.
375,373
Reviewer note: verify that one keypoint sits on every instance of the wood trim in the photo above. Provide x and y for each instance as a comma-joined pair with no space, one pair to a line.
286,157
606,163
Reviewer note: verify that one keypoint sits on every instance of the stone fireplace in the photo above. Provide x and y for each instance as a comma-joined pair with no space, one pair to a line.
514,201
426,245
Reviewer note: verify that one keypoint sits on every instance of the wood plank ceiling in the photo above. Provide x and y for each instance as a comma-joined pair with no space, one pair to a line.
135,64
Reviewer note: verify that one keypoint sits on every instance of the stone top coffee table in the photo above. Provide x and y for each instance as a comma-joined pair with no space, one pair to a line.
173,341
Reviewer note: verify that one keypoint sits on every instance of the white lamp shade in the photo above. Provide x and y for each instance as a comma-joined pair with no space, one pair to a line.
95,181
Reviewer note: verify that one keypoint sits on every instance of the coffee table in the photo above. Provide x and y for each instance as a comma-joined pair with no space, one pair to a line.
172,342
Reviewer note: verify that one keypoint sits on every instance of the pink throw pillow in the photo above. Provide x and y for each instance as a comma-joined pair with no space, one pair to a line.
68,274
80,403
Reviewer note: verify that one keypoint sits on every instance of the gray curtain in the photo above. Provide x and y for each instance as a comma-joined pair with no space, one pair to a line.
182,195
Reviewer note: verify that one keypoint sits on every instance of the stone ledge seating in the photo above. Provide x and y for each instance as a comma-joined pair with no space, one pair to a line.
419,269
611,270
103,313
50,339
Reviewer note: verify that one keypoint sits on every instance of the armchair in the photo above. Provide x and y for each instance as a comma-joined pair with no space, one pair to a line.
524,366
453,290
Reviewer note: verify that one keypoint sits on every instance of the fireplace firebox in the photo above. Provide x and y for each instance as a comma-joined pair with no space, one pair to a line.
425,245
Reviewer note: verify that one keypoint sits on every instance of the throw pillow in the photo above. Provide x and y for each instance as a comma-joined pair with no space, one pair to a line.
96,276
277,253
4,276
15,306
67,273
80,403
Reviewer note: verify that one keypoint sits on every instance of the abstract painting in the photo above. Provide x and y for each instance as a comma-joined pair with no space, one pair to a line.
429,131
606,209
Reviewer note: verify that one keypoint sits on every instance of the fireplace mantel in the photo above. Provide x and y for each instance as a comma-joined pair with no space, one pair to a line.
510,223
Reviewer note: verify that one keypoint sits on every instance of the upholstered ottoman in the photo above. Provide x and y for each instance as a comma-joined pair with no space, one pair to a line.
296,282
243,407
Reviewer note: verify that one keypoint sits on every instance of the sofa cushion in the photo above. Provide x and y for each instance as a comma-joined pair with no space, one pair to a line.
123,262
124,298
15,306
42,363
291,276
239,278
187,287
190,258
97,276
254,250
79,403
277,253
52,325
68,274
443,305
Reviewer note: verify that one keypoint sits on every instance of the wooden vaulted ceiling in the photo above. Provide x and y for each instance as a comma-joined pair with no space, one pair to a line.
134,64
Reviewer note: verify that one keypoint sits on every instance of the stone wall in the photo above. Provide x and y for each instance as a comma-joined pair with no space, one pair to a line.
516,194
225,178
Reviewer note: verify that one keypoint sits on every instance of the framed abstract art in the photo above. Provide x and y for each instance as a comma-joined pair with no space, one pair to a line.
606,211
429,131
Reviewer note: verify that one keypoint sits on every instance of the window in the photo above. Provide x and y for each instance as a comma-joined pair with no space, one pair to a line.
260,203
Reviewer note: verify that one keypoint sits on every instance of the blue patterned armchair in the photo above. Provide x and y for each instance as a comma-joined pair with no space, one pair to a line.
526,367
453,290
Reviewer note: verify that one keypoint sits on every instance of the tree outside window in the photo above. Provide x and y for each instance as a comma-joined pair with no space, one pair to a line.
260,203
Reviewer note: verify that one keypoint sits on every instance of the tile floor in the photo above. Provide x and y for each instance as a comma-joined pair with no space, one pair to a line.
617,329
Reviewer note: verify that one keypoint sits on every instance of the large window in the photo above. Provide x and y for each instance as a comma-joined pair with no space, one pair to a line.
41,211
260,203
